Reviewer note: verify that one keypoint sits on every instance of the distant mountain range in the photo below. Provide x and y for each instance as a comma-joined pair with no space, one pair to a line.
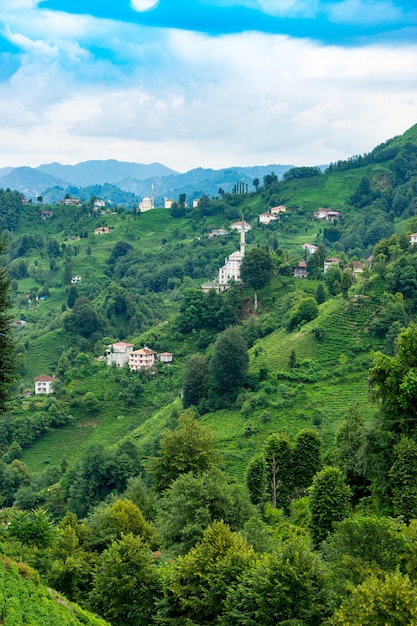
126,183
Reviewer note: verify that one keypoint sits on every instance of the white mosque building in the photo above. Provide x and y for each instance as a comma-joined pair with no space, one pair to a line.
147,203
231,268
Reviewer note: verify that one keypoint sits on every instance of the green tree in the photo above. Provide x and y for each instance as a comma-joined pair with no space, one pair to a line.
350,451
306,311
306,455
192,503
329,502
403,475
195,381
109,523
256,268
285,587
256,479
72,296
7,347
394,381
346,282
333,279
202,577
125,584
278,457
320,293
230,363
392,600
256,183
191,447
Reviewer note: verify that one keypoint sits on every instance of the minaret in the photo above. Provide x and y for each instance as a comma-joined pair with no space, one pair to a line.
153,197
242,238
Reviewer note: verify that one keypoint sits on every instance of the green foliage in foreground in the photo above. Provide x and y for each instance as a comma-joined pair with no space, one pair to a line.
24,600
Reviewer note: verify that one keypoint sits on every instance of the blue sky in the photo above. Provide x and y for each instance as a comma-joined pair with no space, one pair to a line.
210,83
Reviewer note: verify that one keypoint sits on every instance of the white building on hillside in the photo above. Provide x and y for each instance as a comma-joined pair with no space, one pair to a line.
118,353
231,268
140,359
43,384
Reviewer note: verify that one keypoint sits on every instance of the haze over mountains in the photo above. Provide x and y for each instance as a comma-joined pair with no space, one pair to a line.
109,178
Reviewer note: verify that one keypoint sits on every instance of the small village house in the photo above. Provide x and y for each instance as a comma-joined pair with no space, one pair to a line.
330,262
101,230
166,357
309,247
413,238
300,270
43,384
118,353
275,210
267,218
141,359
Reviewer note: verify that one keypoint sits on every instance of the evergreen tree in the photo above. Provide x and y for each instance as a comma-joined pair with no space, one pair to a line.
256,481
329,502
306,457
195,381
403,476
320,293
230,363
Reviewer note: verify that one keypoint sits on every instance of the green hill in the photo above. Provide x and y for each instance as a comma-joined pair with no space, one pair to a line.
132,285
24,600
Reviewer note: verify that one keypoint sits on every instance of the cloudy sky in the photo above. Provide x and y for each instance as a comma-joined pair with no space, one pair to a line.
209,83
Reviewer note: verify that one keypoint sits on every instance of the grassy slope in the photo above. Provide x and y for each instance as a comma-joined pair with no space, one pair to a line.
23,600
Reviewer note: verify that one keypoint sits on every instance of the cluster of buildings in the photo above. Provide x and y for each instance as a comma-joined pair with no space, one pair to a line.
122,353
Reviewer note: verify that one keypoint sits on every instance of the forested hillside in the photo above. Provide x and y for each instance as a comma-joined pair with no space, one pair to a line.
267,475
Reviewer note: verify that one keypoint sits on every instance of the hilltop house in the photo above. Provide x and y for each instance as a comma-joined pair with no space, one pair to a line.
300,270
413,238
71,201
330,262
217,232
118,353
327,215
43,384
101,230
141,359
267,218
166,357
357,268
241,226
309,247
76,279
275,210
46,215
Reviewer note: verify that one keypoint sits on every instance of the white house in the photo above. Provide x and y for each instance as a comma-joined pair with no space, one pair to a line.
141,359
165,357
217,232
43,384
309,247
168,202
267,218
118,353
413,238
330,262
76,279
327,215
241,226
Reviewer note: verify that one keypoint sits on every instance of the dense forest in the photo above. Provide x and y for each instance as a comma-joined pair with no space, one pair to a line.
269,475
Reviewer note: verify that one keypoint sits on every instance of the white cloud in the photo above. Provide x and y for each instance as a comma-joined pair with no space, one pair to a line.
215,102
144,5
